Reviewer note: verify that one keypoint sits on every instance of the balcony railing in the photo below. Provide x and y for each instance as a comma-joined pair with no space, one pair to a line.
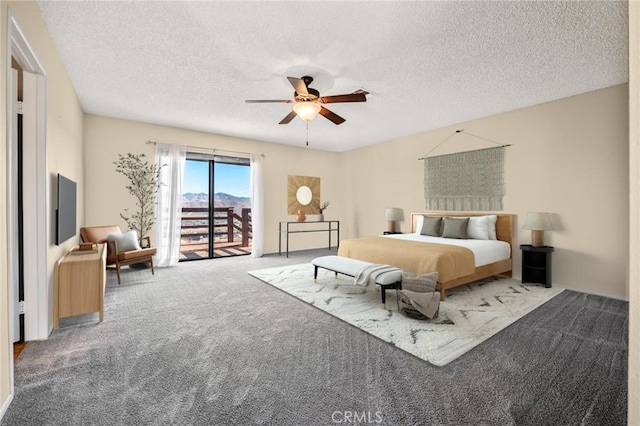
229,228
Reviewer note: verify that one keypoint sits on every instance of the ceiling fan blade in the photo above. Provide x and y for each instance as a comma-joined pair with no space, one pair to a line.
299,85
264,101
288,118
351,97
331,116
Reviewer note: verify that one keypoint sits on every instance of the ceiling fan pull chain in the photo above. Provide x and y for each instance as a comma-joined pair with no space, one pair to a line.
307,133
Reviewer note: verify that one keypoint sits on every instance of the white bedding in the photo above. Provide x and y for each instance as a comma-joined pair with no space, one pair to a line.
484,251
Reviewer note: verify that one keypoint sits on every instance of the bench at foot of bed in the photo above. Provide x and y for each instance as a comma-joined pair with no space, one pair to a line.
352,267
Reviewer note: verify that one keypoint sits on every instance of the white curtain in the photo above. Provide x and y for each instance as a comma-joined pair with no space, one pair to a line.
171,160
257,205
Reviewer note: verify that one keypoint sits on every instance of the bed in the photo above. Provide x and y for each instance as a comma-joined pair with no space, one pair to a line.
458,261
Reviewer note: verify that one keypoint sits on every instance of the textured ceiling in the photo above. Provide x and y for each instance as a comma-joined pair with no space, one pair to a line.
426,64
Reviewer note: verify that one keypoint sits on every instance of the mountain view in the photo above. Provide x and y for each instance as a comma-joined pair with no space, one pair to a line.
220,199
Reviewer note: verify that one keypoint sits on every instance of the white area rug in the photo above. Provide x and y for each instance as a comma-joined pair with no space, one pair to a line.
470,315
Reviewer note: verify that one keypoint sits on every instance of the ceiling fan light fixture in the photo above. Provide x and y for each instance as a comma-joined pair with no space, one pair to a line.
307,110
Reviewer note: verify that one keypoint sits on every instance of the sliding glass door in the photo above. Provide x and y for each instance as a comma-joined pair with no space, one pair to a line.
216,207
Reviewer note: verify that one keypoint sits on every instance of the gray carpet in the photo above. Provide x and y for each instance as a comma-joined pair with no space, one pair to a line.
205,343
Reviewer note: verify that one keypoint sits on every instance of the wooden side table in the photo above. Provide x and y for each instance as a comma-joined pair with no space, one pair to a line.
536,264
79,283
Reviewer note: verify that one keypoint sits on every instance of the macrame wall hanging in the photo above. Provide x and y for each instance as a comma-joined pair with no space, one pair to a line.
465,181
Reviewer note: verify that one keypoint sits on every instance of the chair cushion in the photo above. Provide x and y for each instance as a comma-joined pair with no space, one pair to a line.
98,234
126,241
136,254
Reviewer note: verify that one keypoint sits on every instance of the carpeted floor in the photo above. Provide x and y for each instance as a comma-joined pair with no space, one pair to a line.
204,343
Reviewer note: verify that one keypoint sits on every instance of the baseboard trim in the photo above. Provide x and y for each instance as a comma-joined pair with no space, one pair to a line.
5,405
577,290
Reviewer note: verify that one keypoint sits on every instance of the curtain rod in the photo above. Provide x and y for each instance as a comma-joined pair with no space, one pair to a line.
212,149
455,133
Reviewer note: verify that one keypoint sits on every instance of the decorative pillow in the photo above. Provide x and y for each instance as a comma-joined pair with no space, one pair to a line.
432,226
478,227
419,222
126,241
492,226
455,227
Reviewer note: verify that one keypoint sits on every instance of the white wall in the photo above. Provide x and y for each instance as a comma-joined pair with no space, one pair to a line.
634,181
106,196
568,157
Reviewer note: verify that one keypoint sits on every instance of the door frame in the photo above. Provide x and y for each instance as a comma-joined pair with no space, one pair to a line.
211,161
37,294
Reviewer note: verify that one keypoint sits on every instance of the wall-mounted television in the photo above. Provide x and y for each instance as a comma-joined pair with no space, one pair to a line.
66,211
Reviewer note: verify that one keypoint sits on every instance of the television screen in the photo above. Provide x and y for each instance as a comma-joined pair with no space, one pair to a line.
66,212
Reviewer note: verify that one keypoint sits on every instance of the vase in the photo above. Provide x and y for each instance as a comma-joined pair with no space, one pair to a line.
321,217
301,216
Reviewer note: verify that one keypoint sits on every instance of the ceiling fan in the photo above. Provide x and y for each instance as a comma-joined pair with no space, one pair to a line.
308,102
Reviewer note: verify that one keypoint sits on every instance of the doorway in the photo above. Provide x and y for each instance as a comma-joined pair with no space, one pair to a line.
33,245
216,207
15,207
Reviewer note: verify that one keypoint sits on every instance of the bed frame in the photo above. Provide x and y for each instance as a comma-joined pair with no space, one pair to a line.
503,268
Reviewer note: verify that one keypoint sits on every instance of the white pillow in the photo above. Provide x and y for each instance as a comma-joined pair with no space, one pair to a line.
419,223
478,228
482,227
127,241
492,226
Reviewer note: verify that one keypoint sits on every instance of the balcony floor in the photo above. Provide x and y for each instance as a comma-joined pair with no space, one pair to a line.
220,249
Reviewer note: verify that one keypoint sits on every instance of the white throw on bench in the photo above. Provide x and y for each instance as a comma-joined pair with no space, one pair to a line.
363,272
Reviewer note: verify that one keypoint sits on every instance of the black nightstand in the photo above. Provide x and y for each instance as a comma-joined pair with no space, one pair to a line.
536,264
391,232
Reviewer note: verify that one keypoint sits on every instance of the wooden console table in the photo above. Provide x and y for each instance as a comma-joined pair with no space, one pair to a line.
79,283
285,228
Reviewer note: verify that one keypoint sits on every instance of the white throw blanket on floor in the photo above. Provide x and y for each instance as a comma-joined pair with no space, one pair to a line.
370,273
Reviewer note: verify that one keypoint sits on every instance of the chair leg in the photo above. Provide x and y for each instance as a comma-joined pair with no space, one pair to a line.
118,272
151,263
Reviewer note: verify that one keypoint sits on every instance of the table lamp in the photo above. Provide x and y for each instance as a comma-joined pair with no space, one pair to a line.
393,214
538,223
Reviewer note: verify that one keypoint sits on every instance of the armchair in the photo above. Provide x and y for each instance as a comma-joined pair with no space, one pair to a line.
122,248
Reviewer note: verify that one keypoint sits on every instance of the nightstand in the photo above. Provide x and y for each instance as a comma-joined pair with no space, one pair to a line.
536,264
391,232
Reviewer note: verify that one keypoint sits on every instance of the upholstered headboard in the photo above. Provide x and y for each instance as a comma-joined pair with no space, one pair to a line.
504,224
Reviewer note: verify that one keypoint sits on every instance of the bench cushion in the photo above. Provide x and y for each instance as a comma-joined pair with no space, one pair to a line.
353,267
340,264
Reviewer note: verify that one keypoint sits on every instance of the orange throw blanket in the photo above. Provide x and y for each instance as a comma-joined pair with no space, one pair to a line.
416,257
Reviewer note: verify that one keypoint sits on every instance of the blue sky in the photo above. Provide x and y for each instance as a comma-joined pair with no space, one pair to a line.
229,178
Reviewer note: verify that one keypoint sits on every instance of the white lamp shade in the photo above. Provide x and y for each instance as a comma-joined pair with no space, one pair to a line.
307,110
394,214
538,222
